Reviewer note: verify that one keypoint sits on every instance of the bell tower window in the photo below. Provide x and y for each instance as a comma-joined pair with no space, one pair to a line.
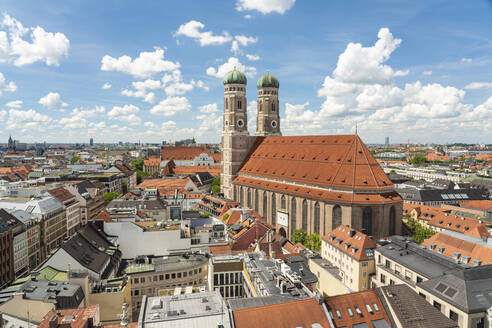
226,104
273,107
261,106
239,104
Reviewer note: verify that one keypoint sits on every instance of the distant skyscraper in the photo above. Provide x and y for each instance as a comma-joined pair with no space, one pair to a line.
387,141
91,142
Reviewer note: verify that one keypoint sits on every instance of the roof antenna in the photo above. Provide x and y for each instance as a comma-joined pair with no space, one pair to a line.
356,128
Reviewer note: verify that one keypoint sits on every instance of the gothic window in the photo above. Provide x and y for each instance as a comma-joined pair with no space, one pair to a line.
392,221
316,218
256,200
293,209
239,104
367,221
273,107
249,197
265,208
304,215
274,208
336,217
235,193
261,106
283,204
241,196
226,103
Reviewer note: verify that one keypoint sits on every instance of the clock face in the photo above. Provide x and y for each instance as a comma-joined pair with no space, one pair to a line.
240,123
274,124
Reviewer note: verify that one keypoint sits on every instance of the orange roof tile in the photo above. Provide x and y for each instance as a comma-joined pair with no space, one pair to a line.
214,170
323,195
164,185
459,224
484,205
350,241
454,245
220,250
299,313
340,161
61,194
217,157
183,152
152,161
80,317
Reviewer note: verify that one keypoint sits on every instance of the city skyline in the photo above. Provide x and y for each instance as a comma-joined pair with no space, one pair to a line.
126,72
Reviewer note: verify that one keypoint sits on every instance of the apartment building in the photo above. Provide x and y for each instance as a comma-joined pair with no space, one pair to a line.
90,196
227,273
33,236
352,252
72,208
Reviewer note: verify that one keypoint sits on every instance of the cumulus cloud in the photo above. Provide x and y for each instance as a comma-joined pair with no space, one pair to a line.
26,120
14,104
144,66
106,85
243,41
52,101
253,57
265,6
193,29
466,60
210,108
44,46
171,106
117,111
427,72
228,66
3,113
478,85
6,86
142,90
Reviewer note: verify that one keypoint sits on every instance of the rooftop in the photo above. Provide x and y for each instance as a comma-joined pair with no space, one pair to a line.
352,242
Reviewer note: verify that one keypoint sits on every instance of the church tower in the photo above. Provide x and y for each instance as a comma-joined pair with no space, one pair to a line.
236,141
268,119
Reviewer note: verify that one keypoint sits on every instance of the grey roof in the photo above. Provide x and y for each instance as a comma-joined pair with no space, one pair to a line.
244,303
469,289
7,221
423,261
64,295
23,216
139,204
440,195
333,270
412,310
37,205
296,264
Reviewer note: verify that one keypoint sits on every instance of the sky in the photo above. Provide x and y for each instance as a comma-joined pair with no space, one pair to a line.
152,70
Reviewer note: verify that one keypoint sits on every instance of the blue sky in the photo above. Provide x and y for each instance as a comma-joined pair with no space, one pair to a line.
418,70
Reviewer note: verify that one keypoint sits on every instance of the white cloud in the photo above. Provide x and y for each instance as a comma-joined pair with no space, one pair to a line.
265,6
14,104
228,66
3,113
193,29
141,90
427,72
106,85
52,101
150,125
118,111
478,85
44,46
88,113
210,108
169,125
26,120
144,66
171,106
131,119
6,86
243,41
466,60
73,122
253,57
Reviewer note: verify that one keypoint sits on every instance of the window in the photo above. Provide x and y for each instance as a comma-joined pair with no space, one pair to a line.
392,282
226,103
239,104
367,221
293,211
437,305
317,218
376,307
339,315
388,264
336,217
265,204
273,106
283,203
167,276
185,274
383,278
453,316
173,275
304,216
142,279
261,105
351,314
241,196
179,274
136,292
419,279
249,197
155,278
274,209
392,221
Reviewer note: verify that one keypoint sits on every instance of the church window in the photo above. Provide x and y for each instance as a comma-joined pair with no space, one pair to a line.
239,104
261,106
392,221
226,103
241,196
283,204
226,122
316,218
265,202
304,215
274,124
256,200
367,221
240,123
336,219
293,213
274,209
249,198
273,107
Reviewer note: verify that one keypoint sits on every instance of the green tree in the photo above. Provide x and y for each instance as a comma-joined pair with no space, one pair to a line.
109,196
420,233
215,187
313,242
138,164
299,236
418,160
75,159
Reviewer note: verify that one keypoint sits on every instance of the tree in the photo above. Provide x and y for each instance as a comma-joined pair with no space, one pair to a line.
138,164
420,233
75,159
109,196
418,160
313,242
299,236
215,188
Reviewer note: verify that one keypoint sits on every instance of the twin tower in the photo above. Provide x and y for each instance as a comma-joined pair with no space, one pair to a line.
236,141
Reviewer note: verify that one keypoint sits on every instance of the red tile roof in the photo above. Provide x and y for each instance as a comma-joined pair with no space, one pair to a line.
299,313
453,244
459,224
164,185
80,319
152,161
354,301
340,161
61,194
214,170
350,241
323,195
183,152
484,205
217,157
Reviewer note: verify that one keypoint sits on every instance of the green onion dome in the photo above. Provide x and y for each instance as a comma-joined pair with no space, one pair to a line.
235,77
267,81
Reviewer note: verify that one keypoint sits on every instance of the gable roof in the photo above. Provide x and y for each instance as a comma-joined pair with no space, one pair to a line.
183,152
352,242
61,194
331,161
461,224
